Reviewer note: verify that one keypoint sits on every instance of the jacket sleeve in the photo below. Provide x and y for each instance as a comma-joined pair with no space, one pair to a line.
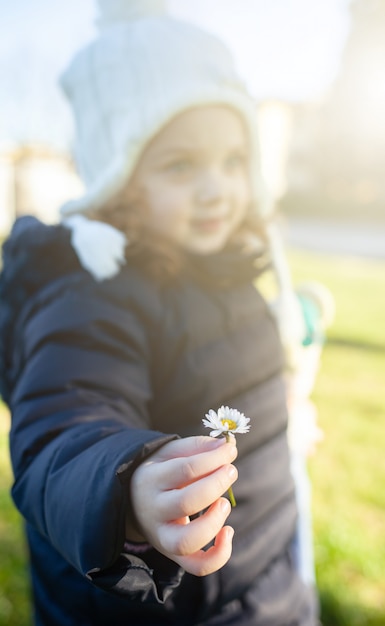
80,425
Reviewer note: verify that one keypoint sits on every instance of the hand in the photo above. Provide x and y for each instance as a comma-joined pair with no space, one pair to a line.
178,481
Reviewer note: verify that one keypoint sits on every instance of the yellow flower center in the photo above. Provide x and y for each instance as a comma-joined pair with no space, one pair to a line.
231,425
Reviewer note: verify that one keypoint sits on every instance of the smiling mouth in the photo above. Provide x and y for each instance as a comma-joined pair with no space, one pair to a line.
210,225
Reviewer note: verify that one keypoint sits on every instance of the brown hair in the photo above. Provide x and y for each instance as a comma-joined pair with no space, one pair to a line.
128,212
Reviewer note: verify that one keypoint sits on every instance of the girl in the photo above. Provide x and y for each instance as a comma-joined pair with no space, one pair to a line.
124,325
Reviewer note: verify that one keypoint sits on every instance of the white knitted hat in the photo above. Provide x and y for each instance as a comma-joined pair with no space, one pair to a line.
144,68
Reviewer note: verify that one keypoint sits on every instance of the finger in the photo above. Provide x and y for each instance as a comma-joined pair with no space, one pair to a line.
187,447
178,472
186,539
197,496
206,562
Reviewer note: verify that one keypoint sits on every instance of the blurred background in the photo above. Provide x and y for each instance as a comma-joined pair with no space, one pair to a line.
317,71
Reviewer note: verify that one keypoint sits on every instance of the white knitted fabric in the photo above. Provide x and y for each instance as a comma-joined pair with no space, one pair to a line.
100,247
112,11
144,68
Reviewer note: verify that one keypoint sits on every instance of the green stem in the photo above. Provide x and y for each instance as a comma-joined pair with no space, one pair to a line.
231,496
230,489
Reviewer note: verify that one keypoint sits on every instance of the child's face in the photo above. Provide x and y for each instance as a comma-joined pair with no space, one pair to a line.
194,178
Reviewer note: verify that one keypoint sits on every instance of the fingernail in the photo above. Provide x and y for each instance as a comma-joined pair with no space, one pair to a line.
232,472
233,450
230,533
216,442
225,506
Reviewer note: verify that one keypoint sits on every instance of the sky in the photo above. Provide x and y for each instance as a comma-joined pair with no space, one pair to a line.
286,49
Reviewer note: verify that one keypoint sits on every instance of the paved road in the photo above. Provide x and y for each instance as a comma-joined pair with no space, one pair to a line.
363,239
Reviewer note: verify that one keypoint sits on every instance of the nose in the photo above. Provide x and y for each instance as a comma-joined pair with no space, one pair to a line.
210,187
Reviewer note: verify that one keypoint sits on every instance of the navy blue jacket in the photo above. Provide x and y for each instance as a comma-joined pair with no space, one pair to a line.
100,374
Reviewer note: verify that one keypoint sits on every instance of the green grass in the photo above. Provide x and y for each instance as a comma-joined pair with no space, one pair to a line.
14,589
348,469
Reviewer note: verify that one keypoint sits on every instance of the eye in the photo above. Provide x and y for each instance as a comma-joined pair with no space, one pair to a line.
179,166
235,160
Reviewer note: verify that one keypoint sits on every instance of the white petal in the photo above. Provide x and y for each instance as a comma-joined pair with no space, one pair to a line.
215,433
213,419
242,429
219,421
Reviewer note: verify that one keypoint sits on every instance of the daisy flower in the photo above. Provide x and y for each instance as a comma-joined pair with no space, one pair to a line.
226,421
223,422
